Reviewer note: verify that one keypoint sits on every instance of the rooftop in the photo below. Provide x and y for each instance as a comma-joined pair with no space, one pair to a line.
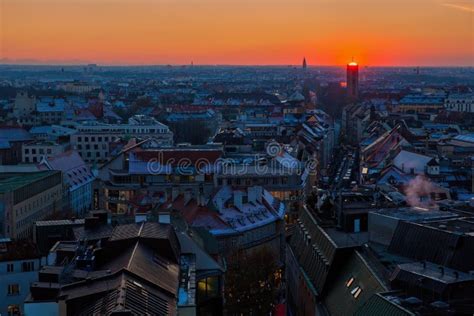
13,181
415,213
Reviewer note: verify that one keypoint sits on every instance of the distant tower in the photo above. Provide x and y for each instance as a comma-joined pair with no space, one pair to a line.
352,81
304,63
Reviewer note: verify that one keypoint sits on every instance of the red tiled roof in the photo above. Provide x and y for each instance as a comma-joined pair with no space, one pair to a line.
196,215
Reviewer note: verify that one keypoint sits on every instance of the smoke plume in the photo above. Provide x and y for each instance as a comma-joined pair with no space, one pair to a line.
418,192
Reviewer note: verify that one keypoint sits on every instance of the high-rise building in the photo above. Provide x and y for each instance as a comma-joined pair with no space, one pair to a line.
304,63
352,81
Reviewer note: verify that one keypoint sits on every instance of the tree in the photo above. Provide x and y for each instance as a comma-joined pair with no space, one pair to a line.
251,283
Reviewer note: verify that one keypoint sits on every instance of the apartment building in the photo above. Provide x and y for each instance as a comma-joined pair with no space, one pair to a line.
33,152
77,180
93,140
140,177
26,198
458,102
20,262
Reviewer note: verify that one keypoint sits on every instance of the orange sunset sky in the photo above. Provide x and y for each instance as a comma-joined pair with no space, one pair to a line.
252,32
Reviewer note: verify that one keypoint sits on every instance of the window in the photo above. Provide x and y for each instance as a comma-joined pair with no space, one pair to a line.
13,289
13,310
208,288
356,291
349,282
10,267
28,266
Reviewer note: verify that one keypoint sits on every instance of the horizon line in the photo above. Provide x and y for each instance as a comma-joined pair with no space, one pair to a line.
231,65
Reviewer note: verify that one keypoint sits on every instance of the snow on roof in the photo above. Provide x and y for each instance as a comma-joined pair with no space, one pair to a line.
76,172
50,105
250,215
465,138
409,161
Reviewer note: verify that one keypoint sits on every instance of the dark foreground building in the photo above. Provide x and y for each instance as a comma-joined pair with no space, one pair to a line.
142,268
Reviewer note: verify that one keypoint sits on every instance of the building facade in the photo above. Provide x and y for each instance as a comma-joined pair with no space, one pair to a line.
352,81
18,269
92,141
26,198
33,152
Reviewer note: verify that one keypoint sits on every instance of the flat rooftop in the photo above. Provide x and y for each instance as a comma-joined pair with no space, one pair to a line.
415,214
435,272
15,180
344,240
61,222
463,226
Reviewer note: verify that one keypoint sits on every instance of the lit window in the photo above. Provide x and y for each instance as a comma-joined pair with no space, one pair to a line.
13,310
357,293
350,281
13,289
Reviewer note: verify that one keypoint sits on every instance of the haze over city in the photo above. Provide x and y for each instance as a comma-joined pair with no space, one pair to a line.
244,32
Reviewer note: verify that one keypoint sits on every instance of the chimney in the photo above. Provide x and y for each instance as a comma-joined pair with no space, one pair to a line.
188,195
91,222
101,215
441,269
201,200
238,199
174,193
252,194
259,193
219,203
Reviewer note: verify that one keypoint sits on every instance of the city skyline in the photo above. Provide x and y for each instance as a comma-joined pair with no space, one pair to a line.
145,32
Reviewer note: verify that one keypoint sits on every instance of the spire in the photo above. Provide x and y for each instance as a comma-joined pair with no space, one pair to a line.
304,63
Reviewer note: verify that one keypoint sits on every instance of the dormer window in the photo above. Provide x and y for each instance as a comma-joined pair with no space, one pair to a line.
356,291
349,282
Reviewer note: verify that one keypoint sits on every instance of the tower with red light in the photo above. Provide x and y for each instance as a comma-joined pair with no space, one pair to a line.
352,81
